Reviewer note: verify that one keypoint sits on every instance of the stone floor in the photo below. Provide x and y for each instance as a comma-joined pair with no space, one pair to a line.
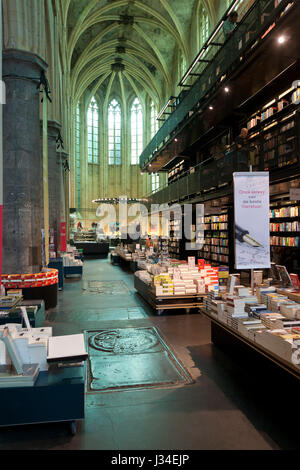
222,409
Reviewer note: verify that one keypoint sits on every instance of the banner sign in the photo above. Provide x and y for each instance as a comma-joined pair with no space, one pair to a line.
1,241
63,236
252,223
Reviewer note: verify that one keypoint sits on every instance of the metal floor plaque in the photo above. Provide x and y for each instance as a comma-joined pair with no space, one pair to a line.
105,287
128,358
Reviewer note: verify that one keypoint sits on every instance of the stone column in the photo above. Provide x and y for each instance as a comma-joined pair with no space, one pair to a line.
65,196
23,182
54,176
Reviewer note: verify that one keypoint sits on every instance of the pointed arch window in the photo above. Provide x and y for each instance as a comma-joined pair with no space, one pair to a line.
77,144
203,25
155,182
136,131
182,65
154,122
114,133
93,132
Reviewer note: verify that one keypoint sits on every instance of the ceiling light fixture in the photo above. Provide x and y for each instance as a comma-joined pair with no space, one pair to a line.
281,39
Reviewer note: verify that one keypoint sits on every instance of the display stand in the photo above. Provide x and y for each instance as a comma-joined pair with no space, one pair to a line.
227,337
57,396
171,302
72,270
36,319
57,263
93,248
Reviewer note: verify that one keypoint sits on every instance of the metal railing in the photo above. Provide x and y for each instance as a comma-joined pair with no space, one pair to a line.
206,176
255,23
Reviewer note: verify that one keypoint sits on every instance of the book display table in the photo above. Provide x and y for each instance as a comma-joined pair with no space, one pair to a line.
57,396
57,263
171,302
229,338
295,296
36,286
36,318
72,270
93,248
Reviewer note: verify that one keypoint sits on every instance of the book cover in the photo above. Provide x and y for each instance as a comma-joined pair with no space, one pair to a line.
295,282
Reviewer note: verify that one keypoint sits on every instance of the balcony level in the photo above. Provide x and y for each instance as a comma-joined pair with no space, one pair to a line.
248,61
213,179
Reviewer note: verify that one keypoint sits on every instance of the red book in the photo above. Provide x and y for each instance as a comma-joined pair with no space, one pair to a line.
295,282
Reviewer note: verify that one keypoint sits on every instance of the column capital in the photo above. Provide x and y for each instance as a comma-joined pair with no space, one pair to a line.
63,154
22,63
53,128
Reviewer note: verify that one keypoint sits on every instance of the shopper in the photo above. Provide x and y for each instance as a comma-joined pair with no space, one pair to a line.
230,24
241,141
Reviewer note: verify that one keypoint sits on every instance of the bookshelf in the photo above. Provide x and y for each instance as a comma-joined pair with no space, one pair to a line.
177,171
285,235
284,226
87,236
216,239
175,237
273,131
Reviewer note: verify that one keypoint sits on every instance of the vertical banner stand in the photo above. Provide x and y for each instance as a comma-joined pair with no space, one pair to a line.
252,270
63,224
45,177
2,102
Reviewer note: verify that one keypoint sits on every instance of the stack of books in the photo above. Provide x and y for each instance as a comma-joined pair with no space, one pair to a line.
9,377
262,293
250,326
9,302
254,310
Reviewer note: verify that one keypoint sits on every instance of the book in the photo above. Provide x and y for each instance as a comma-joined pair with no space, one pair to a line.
66,348
9,378
295,282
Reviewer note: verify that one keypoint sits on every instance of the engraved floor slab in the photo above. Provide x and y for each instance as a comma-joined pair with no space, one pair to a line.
127,358
105,287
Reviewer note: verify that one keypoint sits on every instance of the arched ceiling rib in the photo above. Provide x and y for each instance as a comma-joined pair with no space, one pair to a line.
134,50
143,35
139,75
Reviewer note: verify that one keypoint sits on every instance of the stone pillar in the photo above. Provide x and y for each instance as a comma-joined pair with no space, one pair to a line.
23,182
54,176
66,195
63,156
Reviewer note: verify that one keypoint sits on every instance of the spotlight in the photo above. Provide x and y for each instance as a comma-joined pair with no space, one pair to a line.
227,89
211,108
281,39
175,140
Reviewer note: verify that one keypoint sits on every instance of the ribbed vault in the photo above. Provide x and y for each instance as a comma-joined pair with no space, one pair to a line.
141,37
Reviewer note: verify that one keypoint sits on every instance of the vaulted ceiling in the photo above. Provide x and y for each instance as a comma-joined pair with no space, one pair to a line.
126,44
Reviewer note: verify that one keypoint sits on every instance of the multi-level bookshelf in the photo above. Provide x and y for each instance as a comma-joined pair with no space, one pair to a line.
273,131
285,234
175,241
216,239
285,226
177,171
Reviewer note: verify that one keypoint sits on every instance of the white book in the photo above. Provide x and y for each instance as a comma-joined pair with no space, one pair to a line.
66,348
